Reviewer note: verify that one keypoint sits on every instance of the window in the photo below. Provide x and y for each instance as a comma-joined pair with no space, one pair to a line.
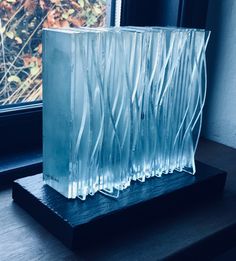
21,23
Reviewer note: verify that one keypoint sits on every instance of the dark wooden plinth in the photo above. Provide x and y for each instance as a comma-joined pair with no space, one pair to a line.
95,220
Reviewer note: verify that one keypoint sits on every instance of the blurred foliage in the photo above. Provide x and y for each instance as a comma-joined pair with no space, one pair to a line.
21,24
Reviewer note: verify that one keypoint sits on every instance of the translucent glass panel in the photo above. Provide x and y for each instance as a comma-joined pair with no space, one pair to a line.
21,23
120,104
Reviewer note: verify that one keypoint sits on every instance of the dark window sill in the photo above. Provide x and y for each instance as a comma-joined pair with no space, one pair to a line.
19,165
21,141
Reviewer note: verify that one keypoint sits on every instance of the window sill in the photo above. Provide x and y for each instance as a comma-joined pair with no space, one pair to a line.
19,165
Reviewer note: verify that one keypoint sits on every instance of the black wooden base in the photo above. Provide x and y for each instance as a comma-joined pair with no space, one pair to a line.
78,223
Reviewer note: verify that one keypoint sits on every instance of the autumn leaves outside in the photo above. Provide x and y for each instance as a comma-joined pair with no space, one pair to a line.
21,23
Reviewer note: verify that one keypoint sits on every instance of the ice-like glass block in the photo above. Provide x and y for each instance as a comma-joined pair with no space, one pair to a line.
120,104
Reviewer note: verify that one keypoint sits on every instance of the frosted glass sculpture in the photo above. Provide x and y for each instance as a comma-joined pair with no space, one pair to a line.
120,104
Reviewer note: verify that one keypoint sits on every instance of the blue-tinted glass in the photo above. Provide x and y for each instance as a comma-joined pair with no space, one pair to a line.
120,104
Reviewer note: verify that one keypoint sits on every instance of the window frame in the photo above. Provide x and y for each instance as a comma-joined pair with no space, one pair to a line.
21,154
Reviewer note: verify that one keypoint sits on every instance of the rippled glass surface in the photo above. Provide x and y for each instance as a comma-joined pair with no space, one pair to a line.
120,104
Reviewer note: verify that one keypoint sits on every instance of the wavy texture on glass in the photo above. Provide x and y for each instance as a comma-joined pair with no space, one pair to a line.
134,105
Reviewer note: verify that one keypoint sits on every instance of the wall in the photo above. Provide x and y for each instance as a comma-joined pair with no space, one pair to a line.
220,110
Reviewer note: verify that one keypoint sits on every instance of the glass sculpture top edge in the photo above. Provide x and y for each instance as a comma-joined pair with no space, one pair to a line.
124,28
